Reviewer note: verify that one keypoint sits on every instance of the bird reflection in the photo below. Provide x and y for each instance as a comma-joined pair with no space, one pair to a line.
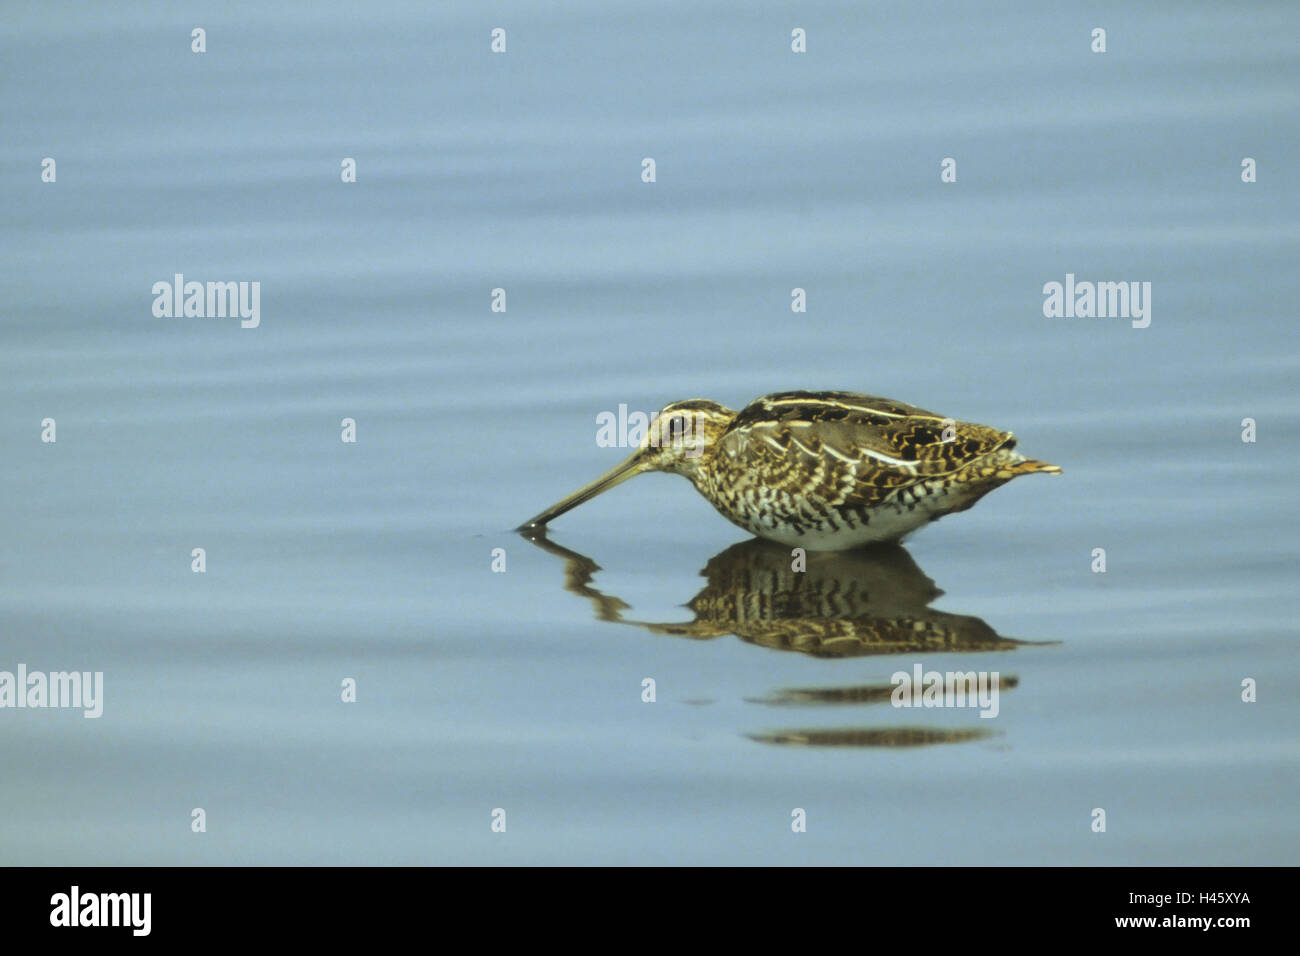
836,604
869,737
845,604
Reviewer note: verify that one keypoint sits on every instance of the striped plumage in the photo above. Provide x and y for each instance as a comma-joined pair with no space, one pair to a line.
822,470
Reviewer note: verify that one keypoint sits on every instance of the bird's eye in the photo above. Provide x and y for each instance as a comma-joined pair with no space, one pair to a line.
676,427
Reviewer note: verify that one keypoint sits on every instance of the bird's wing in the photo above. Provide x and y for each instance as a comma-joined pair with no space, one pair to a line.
856,448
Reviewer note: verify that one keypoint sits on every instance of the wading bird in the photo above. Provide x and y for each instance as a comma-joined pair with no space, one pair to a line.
825,471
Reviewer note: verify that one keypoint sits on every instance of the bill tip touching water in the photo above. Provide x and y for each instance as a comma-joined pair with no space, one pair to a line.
826,470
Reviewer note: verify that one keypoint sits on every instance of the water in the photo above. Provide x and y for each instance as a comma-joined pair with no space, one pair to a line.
372,561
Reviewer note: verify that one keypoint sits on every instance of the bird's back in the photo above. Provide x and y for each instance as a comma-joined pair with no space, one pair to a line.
870,434
820,466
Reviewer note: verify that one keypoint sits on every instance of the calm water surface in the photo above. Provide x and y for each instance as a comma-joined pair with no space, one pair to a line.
522,690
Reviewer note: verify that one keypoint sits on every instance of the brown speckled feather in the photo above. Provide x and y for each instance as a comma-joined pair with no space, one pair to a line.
858,448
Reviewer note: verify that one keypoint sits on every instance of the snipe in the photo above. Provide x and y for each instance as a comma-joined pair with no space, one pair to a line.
825,471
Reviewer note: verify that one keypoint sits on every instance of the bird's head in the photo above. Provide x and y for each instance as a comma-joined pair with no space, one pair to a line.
681,435
678,439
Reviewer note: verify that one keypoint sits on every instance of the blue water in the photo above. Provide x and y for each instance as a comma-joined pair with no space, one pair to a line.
373,561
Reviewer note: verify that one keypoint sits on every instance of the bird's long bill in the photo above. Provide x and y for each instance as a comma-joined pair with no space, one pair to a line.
615,476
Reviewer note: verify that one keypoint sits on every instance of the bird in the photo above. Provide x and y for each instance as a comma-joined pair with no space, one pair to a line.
821,470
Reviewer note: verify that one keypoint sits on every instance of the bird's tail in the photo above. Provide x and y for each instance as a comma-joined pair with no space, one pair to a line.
1029,466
